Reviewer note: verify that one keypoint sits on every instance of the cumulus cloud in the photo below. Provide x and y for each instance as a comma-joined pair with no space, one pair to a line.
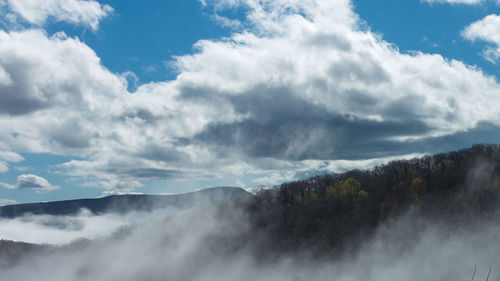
488,30
301,86
47,72
51,77
29,181
327,89
80,12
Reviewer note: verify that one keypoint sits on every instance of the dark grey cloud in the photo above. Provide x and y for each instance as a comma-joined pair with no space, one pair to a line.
283,126
330,40
18,105
142,114
142,173
364,69
484,132
157,152
16,97
336,137
71,134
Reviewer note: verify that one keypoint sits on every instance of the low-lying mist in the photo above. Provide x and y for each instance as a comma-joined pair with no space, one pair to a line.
214,243
60,230
433,218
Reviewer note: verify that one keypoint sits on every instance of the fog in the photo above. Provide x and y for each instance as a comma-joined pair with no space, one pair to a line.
205,243
60,230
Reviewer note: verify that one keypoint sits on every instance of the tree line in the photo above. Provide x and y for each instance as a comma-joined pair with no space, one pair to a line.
325,211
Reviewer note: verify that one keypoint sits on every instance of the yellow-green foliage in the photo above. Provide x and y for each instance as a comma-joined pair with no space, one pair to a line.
331,192
417,183
313,196
347,188
362,194
417,188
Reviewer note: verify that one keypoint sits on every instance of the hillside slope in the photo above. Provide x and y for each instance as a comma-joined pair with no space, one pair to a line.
124,203
456,190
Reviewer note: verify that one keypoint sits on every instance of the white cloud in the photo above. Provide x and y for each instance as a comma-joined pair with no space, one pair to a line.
7,156
80,12
338,67
34,182
10,156
4,202
21,168
488,30
239,183
4,167
226,22
301,87
274,178
52,76
6,185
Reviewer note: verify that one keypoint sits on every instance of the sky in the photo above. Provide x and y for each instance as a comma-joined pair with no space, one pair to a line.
161,97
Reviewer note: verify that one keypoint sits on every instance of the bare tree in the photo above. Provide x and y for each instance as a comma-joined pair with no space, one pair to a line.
474,273
488,275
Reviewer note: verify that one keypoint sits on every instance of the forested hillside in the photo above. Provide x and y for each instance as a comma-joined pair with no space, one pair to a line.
455,189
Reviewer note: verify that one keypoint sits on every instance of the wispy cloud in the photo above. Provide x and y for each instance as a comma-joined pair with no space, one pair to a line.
226,22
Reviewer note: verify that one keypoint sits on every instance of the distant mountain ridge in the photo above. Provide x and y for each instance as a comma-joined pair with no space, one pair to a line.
124,203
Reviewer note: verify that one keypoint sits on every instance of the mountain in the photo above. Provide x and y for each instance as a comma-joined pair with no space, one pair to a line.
125,203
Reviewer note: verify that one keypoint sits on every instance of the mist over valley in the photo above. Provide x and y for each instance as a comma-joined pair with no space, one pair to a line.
431,218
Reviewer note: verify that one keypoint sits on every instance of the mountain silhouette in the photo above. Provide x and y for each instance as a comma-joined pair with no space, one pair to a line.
124,203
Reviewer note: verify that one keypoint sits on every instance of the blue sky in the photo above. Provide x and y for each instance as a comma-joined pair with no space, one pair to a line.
143,37
164,97
431,28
